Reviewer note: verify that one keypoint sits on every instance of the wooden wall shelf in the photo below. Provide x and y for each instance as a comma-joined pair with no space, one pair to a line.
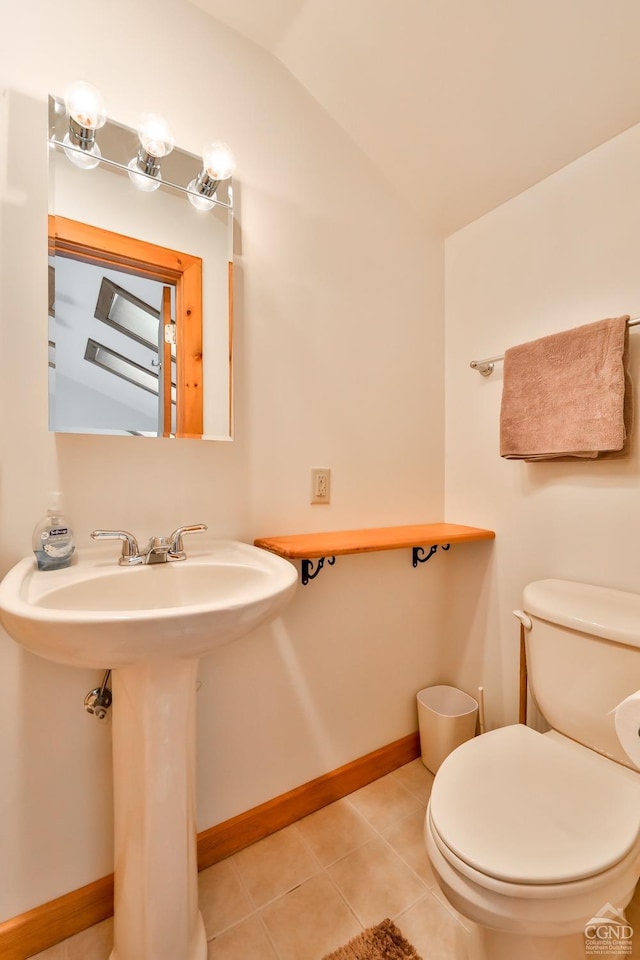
320,546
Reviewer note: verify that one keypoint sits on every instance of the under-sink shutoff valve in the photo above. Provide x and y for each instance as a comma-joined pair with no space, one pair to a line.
98,700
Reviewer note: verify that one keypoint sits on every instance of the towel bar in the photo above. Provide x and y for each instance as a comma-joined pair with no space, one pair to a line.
486,367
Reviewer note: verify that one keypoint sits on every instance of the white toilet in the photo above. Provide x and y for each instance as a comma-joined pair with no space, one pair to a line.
531,835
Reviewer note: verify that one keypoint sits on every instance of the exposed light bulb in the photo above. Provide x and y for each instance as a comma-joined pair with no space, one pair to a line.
196,199
218,164
155,135
142,181
86,112
84,159
219,161
156,141
85,105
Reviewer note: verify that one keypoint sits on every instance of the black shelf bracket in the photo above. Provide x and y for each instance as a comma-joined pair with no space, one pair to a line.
308,573
418,553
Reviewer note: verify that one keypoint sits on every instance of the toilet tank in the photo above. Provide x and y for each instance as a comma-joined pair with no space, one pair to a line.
583,658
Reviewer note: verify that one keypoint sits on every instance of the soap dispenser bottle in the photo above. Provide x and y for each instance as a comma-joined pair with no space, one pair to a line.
53,538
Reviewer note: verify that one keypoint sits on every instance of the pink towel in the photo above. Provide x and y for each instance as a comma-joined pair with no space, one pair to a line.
568,396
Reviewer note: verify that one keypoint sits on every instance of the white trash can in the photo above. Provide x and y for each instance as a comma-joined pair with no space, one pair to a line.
446,717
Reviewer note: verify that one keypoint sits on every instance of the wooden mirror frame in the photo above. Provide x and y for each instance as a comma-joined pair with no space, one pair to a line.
81,241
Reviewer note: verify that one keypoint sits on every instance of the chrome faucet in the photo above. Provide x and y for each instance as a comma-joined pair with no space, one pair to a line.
130,552
158,549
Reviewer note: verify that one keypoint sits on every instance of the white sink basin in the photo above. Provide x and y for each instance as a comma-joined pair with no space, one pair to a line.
149,625
98,614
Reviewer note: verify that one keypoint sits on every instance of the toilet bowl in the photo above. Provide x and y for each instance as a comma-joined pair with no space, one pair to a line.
532,835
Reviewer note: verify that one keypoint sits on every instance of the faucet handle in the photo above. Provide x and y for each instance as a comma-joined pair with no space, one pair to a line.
130,551
176,550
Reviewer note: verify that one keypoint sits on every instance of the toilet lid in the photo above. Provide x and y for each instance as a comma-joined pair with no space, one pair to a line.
525,807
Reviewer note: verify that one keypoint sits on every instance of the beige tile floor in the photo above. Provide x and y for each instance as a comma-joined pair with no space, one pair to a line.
308,889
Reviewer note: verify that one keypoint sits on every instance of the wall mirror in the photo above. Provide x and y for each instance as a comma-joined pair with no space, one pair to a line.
140,294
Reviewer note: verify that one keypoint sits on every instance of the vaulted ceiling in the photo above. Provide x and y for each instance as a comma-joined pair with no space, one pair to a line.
464,102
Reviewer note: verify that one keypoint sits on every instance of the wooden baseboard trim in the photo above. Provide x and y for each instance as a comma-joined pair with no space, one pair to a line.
31,932
226,838
36,930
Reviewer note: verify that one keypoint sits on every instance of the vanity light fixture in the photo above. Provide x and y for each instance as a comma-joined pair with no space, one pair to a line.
156,142
86,112
218,163
84,107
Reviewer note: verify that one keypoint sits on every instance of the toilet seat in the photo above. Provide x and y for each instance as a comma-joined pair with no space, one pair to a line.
528,910
517,806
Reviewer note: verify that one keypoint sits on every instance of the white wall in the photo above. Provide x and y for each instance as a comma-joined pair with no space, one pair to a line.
338,349
564,253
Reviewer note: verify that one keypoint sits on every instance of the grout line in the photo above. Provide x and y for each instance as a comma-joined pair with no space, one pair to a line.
441,900
252,908
428,895
307,847
344,900
423,896
235,869
268,936
413,793
283,893
405,863
358,846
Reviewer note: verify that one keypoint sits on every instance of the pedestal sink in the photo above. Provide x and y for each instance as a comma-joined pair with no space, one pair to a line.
149,624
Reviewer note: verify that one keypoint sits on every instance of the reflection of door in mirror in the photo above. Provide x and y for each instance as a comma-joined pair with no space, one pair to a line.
128,317
131,345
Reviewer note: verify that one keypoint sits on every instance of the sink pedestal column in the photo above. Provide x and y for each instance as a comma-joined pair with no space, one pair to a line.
156,875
